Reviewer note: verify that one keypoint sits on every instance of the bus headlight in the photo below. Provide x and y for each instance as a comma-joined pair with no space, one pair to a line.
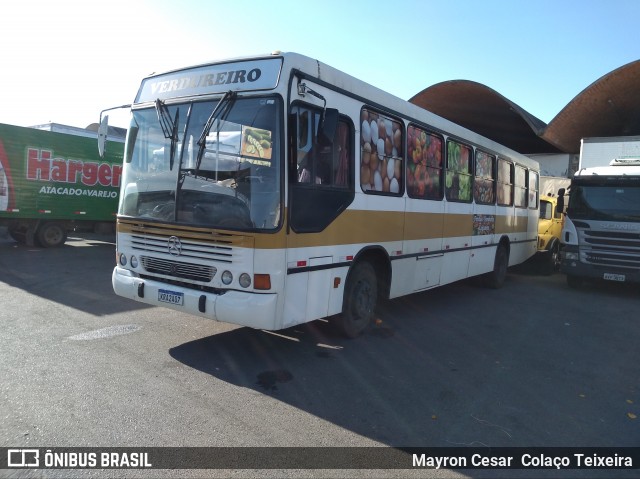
244,280
227,277
123,259
134,262
571,256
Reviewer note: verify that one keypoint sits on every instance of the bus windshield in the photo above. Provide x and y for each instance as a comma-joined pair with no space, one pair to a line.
617,200
210,164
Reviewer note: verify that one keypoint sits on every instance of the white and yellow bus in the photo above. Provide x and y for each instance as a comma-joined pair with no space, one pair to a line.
275,190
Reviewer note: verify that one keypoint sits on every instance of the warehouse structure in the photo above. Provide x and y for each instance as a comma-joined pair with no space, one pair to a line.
608,107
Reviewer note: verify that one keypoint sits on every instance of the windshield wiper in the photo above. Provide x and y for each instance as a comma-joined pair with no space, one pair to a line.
221,110
169,127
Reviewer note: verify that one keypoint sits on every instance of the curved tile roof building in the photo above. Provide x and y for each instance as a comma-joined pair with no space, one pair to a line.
608,107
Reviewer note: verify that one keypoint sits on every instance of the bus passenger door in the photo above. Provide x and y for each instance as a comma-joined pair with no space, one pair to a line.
320,189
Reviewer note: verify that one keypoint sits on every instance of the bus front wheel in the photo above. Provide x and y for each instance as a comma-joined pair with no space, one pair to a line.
359,303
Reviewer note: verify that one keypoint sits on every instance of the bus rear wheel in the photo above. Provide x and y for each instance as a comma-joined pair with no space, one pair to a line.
495,279
359,303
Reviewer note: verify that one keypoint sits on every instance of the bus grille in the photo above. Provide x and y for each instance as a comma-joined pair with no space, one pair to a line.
176,269
619,249
207,250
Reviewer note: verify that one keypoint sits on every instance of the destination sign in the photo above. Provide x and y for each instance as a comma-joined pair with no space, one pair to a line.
210,79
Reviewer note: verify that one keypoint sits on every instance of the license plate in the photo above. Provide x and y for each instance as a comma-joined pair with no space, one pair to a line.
614,277
171,297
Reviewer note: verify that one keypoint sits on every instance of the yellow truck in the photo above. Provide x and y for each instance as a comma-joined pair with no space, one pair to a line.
549,230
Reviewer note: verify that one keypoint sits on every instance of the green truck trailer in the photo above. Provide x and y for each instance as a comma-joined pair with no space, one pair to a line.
52,183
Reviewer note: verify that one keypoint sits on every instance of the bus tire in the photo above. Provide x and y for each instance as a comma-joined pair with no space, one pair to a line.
495,279
360,299
51,234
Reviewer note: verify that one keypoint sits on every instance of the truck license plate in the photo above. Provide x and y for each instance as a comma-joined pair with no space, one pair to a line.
171,297
614,277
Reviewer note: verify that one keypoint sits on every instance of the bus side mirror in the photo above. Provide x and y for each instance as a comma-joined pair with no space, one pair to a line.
102,135
103,129
560,201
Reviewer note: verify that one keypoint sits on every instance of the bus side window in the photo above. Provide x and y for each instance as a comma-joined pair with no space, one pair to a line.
458,176
520,187
381,154
342,155
484,184
304,145
424,164
321,170
505,183
321,160
533,189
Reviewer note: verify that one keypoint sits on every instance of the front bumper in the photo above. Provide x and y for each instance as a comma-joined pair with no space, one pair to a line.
254,310
574,267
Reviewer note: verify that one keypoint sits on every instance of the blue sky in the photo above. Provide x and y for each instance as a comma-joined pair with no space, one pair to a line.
64,61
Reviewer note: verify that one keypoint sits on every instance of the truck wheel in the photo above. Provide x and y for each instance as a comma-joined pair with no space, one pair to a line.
552,263
359,303
18,235
51,235
495,279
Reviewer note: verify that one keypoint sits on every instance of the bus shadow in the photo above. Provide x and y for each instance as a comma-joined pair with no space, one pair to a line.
417,381
455,366
348,383
77,274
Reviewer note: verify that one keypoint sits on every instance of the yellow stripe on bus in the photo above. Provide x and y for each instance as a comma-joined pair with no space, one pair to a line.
351,227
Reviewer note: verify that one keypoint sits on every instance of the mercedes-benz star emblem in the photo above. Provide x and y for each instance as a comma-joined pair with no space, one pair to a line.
175,246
